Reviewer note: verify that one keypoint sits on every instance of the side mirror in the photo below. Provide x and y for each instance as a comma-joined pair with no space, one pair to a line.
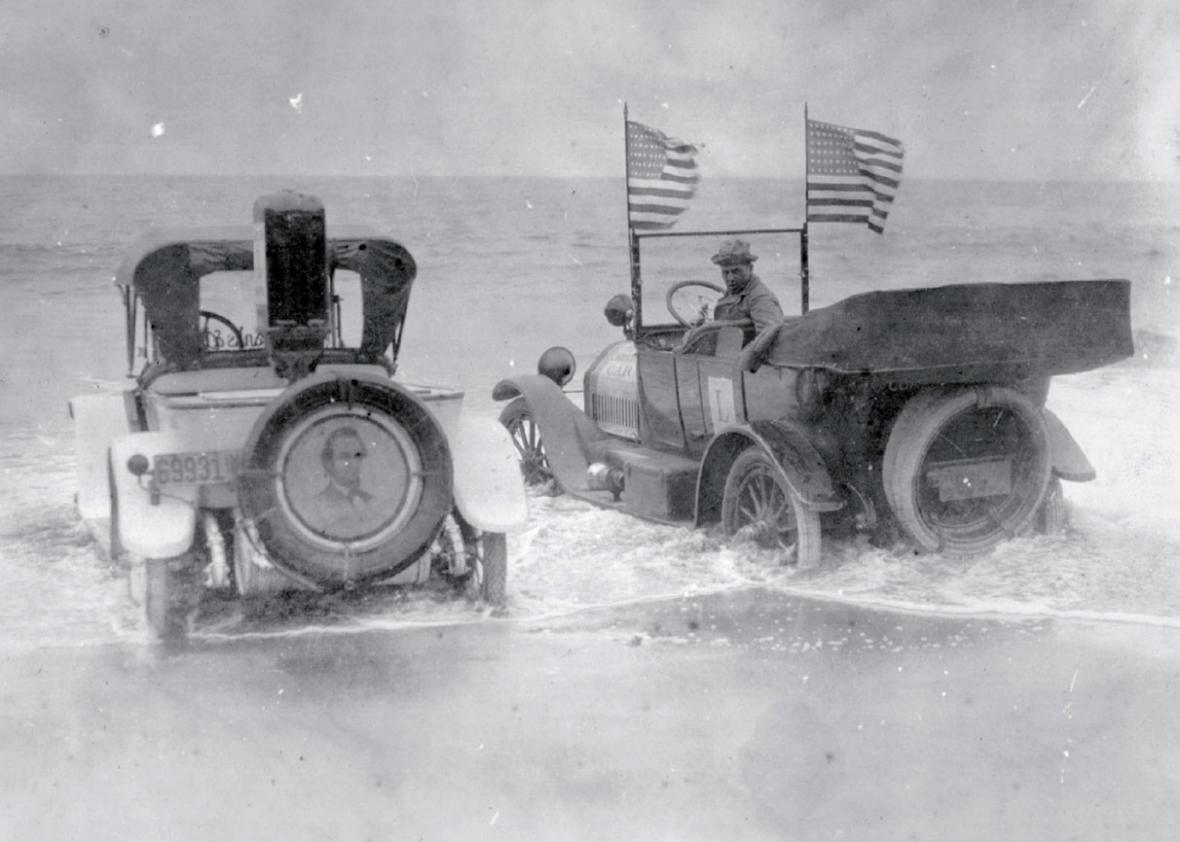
620,310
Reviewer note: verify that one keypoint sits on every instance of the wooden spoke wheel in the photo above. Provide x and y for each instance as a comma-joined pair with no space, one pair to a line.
526,436
758,503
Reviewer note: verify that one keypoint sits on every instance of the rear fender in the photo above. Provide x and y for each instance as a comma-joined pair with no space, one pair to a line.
160,529
803,468
489,490
566,431
1065,454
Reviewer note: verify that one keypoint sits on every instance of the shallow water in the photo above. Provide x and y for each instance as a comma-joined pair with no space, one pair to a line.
510,267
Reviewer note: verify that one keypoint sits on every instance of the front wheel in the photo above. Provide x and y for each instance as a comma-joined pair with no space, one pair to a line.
759,503
518,418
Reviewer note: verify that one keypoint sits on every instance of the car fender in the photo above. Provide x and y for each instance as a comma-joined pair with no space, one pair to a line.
98,418
565,429
162,528
802,467
489,490
1065,454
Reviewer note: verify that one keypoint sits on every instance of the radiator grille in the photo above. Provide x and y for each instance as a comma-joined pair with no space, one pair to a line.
617,415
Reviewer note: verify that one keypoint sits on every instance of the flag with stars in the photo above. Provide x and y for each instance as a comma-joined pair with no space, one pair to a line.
852,174
661,177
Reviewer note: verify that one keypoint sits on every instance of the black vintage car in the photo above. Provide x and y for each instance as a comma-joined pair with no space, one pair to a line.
911,413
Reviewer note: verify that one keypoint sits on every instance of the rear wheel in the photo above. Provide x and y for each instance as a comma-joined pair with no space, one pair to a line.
759,504
347,480
171,596
494,558
526,436
115,550
966,468
1051,516
473,561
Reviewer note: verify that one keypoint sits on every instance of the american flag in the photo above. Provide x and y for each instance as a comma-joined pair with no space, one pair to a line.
852,175
661,177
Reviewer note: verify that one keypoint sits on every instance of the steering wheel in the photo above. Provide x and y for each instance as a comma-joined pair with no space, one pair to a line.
692,302
209,316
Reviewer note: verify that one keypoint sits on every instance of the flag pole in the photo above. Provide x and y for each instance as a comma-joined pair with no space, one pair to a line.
804,268
632,241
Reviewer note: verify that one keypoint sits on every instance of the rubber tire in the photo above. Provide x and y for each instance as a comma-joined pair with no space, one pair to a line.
116,544
1052,515
918,427
517,417
752,461
169,597
494,586
345,567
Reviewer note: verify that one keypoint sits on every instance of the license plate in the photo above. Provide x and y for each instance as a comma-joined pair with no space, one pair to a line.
195,468
970,479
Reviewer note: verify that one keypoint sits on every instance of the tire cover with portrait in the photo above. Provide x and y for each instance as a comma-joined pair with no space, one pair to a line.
336,526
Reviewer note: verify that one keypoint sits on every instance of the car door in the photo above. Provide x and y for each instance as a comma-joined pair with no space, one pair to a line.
659,402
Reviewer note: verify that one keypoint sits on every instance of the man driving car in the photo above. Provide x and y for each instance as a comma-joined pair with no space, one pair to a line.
746,297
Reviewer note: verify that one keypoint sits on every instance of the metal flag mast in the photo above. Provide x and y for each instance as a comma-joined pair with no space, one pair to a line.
804,268
632,243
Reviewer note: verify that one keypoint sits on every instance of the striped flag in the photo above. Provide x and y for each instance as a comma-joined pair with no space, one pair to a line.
661,177
852,175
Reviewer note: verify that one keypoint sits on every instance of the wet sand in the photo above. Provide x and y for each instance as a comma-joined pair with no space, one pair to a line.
749,715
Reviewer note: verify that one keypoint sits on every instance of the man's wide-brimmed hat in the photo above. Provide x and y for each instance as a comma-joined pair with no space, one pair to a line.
733,252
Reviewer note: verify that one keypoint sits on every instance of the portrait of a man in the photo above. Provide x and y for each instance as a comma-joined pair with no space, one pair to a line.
343,507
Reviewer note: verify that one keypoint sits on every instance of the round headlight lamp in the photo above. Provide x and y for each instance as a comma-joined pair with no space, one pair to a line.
558,364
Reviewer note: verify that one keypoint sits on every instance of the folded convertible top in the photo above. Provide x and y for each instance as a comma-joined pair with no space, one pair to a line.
960,333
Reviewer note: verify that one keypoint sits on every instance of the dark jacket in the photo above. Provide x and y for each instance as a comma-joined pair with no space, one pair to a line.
756,302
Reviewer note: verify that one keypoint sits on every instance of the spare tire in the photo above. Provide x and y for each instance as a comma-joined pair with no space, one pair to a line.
966,468
346,479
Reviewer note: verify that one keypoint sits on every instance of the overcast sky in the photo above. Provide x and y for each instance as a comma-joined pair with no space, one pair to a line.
1004,89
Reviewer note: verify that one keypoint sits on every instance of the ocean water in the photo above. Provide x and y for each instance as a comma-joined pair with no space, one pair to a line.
508,267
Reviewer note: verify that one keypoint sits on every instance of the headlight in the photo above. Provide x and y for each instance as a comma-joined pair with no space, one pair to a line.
558,364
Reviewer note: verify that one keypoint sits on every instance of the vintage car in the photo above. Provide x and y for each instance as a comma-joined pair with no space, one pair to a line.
915,415
262,445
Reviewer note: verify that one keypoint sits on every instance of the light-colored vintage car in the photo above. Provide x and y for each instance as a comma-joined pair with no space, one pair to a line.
913,415
262,445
